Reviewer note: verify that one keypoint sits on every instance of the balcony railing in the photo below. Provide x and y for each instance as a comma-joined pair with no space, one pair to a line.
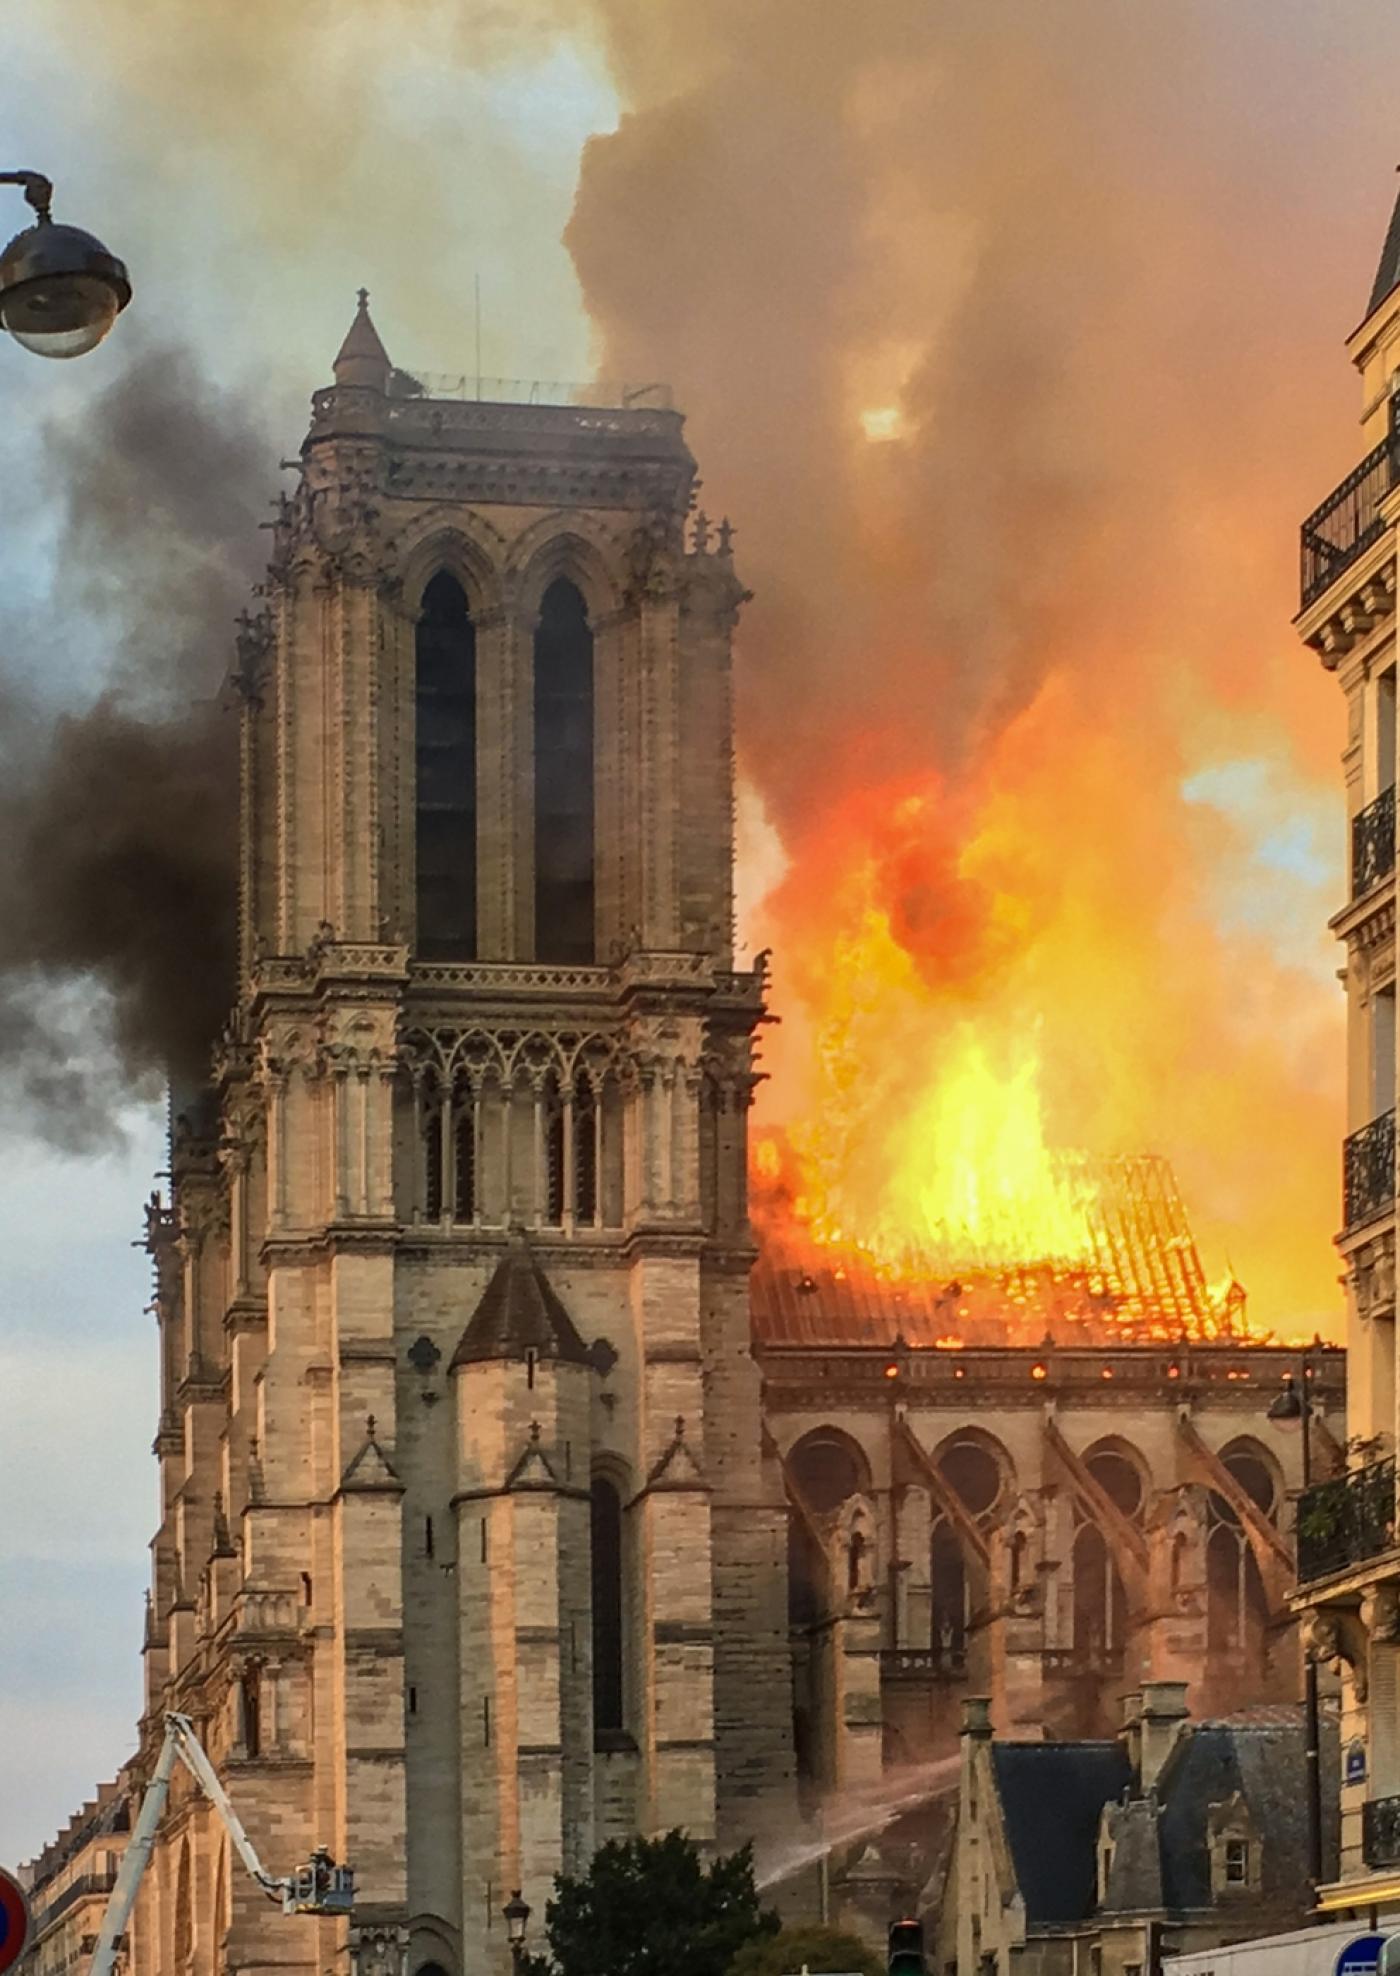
1347,1521
1373,843
87,1886
1380,1832
1348,521
1368,1171
922,1663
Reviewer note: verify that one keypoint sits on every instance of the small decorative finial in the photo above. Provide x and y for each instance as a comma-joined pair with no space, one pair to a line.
369,1423
363,295
680,1426
534,1430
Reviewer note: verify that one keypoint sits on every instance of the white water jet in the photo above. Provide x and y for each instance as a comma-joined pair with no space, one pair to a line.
850,1815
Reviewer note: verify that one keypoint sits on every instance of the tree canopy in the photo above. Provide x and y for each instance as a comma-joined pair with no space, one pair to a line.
811,1946
651,1907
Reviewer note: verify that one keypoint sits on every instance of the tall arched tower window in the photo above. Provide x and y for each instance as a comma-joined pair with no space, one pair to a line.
564,881
446,763
607,1607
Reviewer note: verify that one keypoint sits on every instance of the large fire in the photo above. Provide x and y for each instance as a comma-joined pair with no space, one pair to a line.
992,1055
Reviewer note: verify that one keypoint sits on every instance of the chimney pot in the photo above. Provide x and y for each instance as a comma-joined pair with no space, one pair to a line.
1164,1701
977,1716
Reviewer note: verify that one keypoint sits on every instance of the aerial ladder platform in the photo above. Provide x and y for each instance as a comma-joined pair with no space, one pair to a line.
319,1887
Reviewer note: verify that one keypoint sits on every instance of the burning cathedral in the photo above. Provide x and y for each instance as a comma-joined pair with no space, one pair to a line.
507,1507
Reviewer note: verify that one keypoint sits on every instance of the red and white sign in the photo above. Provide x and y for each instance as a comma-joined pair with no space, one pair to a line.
14,1921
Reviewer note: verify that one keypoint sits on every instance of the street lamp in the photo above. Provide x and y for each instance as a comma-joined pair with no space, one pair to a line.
517,1914
60,289
1288,1407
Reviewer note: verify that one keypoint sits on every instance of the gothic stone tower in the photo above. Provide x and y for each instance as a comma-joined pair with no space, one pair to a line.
471,1557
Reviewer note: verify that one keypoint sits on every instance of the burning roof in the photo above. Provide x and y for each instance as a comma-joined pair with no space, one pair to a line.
1137,1278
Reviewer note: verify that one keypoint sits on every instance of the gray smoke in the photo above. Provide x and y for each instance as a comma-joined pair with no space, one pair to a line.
118,875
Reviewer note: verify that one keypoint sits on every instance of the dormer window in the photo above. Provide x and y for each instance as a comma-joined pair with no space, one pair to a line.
1235,1849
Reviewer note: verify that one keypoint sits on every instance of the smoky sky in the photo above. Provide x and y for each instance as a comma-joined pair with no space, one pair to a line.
118,877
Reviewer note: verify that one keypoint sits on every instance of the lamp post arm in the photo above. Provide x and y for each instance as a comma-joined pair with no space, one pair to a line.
37,189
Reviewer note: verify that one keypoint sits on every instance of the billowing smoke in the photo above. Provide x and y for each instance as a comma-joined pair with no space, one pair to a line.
117,888
1008,333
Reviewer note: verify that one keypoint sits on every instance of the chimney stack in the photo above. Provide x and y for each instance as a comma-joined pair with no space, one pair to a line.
1163,1713
1130,1729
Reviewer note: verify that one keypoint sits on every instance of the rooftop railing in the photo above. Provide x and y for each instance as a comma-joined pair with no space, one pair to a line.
1349,520
1346,1521
604,394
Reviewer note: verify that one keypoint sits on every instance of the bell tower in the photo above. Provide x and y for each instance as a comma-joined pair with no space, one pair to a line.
468,1513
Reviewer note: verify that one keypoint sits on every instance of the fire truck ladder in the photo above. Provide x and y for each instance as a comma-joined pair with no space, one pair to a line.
319,1887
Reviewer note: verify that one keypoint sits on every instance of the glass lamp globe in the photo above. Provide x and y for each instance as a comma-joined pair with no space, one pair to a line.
60,290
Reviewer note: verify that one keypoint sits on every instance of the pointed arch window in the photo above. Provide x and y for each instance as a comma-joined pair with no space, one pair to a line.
564,862
1100,1604
607,1607
948,1585
184,1909
445,744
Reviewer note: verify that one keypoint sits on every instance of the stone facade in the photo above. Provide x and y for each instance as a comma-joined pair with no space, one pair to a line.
382,1471
501,1514
1043,1528
1349,1558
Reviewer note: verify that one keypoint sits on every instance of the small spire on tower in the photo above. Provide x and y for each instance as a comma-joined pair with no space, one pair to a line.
363,360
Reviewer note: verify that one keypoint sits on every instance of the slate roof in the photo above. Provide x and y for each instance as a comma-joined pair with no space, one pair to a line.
1217,1759
1388,273
1052,1797
519,1311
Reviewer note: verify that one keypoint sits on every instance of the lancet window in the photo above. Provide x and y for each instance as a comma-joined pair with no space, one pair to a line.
949,1594
1100,1605
1237,1610
606,1526
564,854
445,756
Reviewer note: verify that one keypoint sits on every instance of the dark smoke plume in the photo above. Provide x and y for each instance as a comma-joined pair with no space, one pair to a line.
118,881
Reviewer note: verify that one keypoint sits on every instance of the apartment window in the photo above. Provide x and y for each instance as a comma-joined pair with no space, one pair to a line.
1382,1052
1236,1862
1385,731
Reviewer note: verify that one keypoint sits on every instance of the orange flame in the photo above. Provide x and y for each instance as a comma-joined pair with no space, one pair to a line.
980,1055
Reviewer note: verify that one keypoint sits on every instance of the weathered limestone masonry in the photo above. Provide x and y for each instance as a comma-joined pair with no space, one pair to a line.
470,1555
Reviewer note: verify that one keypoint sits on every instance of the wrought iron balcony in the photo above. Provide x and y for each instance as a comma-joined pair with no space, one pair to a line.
1348,521
1347,1521
1368,1171
1373,843
1380,1832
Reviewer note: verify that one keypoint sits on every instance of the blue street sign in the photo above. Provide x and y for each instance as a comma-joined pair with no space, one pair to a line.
1361,1956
